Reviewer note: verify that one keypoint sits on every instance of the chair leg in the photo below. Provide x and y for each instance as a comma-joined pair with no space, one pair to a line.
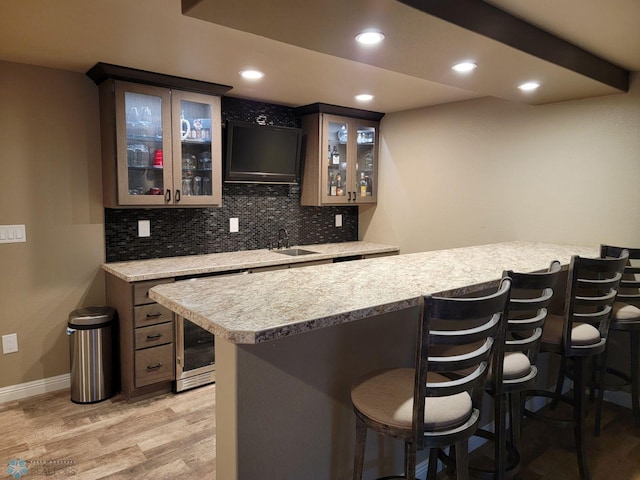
358,460
462,460
410,461
600,387
579,414
634,338
433,464
559,382
515,418
500,445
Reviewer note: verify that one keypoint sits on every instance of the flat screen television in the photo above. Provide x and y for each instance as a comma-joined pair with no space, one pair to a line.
262,153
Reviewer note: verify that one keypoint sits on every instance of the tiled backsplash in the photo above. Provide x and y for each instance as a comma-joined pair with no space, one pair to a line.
261,209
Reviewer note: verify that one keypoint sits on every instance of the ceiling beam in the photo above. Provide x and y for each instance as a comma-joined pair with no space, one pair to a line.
489,21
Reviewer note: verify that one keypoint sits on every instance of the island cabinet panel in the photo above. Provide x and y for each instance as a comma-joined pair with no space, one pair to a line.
147,338
341,156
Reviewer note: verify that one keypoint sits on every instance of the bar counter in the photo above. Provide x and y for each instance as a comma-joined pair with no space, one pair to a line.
290,343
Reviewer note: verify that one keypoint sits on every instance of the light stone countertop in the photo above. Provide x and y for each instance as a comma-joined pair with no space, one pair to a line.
261,307
153,269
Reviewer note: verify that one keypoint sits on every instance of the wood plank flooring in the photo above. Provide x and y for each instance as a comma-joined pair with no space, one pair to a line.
173,436
548,452
170,436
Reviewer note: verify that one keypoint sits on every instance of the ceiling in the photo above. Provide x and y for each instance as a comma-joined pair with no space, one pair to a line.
308,54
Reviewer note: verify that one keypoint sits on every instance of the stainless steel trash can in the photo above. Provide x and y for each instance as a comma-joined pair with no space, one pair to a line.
91,334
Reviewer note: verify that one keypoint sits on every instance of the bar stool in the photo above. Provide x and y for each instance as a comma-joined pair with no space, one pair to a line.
437,403
580,334
625,317
531,294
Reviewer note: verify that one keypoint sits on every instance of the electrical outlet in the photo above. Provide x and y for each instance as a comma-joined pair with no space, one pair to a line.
144,228
338,220
10,343
233,225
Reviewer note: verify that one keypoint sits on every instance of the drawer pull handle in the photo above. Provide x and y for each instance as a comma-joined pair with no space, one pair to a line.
154,315
154,367
154,336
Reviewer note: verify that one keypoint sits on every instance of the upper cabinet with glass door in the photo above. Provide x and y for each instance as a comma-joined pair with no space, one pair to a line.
341,155
161,146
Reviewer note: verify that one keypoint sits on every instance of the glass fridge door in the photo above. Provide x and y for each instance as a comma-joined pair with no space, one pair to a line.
199,348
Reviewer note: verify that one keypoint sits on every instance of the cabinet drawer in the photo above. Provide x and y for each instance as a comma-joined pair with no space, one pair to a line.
141,290
154,365
154,335
146,315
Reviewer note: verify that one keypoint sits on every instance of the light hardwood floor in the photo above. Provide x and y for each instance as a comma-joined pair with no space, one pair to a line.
173,436
170,436
548,452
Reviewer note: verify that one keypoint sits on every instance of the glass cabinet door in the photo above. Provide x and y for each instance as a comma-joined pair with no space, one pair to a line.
335,174
142,121
366,175
197,149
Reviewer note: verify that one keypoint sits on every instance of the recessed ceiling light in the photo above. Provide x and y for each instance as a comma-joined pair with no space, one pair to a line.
364,97
252,74
369,37
529,86
464,67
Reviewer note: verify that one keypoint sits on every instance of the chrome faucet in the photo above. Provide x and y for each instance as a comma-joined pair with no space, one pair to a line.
280,238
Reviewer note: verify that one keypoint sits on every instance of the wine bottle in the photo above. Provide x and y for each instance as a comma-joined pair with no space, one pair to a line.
363,185
332,186
339,187
335,156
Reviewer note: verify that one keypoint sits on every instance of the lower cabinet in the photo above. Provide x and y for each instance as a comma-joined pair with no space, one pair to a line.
146,331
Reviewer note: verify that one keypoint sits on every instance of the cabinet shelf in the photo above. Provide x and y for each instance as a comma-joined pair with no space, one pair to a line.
143,138
195,141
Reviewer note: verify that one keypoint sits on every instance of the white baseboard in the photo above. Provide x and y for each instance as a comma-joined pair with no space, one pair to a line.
37,387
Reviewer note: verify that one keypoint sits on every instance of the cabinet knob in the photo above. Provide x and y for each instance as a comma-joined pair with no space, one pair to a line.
177,196
154,336
154,367
349,199
167,196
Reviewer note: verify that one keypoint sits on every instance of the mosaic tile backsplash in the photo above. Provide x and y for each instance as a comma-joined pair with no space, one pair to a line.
261,209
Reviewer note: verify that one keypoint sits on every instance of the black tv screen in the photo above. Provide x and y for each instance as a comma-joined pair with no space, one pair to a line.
262,153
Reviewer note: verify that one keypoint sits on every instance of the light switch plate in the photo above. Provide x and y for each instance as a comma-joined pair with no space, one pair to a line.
338,220
233,225
144,228
13,234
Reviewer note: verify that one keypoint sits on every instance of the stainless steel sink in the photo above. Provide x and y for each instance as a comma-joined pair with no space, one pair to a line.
294,252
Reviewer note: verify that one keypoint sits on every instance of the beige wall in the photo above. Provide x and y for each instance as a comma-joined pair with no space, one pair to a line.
488,170
50,181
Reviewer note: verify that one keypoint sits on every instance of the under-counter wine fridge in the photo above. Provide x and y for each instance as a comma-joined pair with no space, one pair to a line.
195,355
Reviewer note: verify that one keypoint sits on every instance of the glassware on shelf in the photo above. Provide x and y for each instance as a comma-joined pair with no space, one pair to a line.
189,162
186,187
342,134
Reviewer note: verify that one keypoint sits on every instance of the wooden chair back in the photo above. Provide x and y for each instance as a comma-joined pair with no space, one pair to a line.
483,322
592,286
531,294
629,291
